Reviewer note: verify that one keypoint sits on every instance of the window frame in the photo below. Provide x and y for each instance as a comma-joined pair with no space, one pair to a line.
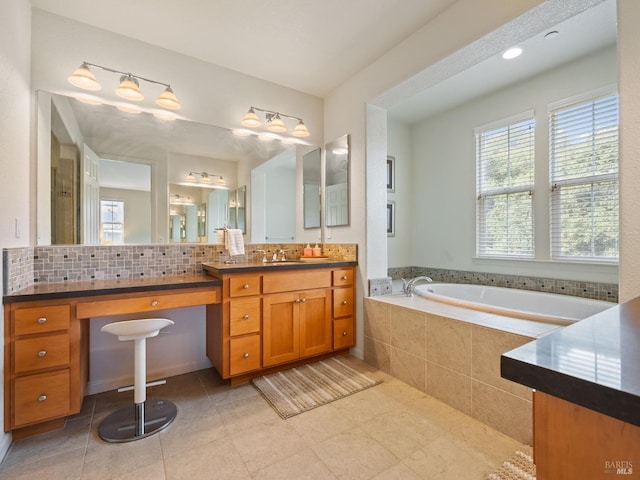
556,185
483,194
103,202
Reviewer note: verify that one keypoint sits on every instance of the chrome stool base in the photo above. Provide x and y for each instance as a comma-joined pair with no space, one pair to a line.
126,425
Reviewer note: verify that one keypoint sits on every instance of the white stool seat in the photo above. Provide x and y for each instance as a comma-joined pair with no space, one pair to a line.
143,418
133,329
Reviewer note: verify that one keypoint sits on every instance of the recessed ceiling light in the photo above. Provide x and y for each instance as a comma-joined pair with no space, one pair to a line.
512,53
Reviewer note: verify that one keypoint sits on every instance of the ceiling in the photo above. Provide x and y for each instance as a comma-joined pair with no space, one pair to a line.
311,46
578,36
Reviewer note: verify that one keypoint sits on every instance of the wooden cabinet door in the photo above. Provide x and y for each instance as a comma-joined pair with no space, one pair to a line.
315,322
280,328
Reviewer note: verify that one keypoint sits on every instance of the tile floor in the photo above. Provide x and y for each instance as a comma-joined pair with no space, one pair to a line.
390,431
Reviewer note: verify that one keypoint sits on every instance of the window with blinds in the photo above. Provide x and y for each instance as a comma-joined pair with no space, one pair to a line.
584,180
505,166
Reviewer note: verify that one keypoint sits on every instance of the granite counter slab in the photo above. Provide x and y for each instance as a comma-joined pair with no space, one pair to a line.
50,291
594,363
222,268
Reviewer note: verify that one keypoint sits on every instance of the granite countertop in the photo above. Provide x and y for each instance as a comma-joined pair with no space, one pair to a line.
222,268
594,363
50,291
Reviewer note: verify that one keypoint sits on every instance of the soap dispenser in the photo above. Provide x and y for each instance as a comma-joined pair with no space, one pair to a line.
308,251
317,251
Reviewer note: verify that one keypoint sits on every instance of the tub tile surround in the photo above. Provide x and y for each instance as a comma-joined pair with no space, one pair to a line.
27,266
597,291
452,354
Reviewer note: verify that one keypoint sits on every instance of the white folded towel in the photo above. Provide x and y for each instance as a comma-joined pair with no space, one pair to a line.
233,241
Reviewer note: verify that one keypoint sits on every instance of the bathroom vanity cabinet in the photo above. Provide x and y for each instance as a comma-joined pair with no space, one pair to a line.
277,317
46,355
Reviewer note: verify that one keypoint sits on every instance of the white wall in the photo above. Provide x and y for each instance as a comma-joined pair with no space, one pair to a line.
443,173
137,205
15,161
409,207
629,72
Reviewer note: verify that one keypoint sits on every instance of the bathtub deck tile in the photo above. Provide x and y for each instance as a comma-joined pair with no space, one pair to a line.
487,346
449,386
506,413
449,343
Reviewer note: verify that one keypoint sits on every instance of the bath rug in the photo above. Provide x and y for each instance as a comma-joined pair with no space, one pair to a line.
519,467
303,388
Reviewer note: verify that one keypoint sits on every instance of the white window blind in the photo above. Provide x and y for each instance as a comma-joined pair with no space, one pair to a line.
584,180
504,213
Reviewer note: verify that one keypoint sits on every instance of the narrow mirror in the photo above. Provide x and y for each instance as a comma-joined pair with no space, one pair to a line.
311,163
337,182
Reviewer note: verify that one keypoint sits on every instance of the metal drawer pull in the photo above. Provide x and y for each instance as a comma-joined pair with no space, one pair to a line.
297,300
42,320
344,334
42,353
154,303
246,355
245,286
303,300
344,302
344,278
246,316
42,398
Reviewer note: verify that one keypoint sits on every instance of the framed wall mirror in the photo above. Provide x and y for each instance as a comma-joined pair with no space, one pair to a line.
311,184
337,190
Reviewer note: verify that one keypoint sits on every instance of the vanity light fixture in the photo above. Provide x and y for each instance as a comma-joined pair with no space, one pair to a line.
274,122
129,87
180,200
204,178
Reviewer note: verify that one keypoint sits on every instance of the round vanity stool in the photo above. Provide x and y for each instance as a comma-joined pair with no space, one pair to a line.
143,418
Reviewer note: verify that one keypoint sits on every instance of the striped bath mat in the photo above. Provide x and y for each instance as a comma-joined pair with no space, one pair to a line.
303,388
519,467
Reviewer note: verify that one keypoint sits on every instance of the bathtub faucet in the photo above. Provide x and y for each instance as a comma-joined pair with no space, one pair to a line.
408,285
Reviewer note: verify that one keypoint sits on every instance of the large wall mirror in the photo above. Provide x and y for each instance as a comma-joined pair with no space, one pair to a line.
311,185
137,165
336,188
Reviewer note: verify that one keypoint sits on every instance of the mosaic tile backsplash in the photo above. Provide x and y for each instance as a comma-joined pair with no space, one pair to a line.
595,290
26,266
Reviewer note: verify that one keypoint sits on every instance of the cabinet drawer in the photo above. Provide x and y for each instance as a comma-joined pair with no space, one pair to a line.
343,333
147,303
41,352
244,286
41,319
244,316
41,397
342,302
343,278
244,354
295,281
